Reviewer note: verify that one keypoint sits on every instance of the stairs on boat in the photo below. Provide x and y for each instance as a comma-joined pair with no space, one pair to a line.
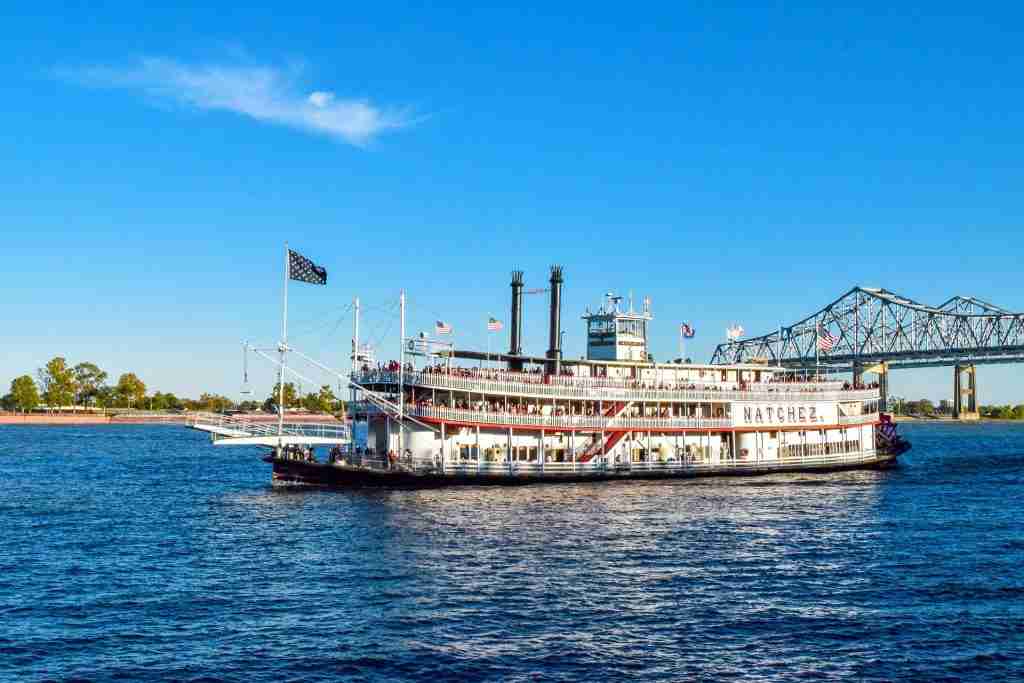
599,446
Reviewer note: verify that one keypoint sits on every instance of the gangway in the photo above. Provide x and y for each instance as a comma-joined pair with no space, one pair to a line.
237,430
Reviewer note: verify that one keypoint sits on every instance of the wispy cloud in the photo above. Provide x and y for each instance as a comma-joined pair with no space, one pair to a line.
269,94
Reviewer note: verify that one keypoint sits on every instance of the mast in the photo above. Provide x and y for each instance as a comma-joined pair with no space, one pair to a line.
355,356
283,346
401,371
355,333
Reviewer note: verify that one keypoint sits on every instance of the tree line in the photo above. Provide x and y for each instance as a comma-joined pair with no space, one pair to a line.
926,408
59,385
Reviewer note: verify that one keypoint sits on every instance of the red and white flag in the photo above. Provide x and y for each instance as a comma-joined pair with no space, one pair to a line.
494,325
441,327
826,340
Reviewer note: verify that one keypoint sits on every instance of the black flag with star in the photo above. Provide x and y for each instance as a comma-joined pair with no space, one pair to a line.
302,269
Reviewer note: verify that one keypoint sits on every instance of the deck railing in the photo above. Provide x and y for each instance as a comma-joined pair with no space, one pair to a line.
566,421
673,465
569,388
247,427
591,422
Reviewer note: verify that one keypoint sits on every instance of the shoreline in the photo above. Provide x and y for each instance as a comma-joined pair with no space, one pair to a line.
83,419
906,419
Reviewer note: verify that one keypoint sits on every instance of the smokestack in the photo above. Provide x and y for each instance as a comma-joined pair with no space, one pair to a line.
555,331
515,347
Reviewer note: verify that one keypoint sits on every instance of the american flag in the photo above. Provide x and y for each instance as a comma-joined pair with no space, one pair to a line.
733,333
826,340
441,327
494,325
302,269
686,329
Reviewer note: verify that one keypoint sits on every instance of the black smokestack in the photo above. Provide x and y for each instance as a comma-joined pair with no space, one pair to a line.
515,347
555,330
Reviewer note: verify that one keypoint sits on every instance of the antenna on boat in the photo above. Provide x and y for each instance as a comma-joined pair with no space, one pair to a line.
246,389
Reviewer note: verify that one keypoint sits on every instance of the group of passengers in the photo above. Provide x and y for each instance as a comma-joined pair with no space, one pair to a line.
586,409
300,453
769,383
848,386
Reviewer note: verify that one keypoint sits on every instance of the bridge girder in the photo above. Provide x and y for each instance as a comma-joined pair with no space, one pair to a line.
873,325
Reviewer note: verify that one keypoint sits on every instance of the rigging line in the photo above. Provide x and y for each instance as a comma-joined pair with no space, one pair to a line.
313,322
379,341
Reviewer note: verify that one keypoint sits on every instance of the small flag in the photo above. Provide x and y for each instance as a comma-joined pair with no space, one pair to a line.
826,340
494,325
686,330
302,269
440,327
735,332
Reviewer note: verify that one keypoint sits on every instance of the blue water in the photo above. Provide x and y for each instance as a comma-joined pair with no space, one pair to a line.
144,553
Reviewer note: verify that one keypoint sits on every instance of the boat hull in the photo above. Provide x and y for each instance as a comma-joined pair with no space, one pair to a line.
295,472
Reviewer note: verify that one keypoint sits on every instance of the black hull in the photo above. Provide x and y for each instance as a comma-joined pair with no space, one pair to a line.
300,473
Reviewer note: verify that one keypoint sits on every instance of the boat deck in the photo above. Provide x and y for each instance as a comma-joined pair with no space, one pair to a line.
338,475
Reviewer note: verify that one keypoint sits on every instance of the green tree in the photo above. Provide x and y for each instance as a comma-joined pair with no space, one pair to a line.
215,402
130,390
165,401
88,381
105,397
925,407
58,383
1018,412
24,393
291,398
310,402
327,402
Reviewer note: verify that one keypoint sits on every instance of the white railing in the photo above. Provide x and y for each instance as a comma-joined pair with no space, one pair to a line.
867,418
250,427
560,387
593,422
565,421
674,465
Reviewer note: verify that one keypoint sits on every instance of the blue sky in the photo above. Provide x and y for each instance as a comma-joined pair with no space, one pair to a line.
735,163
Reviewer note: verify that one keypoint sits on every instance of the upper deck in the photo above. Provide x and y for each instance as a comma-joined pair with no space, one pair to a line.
569,387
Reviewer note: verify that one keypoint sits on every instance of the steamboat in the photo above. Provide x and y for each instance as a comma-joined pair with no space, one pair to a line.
440,416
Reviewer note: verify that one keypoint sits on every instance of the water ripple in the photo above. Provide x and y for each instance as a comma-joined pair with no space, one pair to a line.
142,553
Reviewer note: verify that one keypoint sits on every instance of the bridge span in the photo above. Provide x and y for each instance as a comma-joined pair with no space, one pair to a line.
877,330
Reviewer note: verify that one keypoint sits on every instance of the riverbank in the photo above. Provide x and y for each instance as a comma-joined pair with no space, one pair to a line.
945,419
69,419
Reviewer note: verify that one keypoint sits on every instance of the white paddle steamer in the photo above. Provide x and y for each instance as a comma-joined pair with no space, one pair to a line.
441,416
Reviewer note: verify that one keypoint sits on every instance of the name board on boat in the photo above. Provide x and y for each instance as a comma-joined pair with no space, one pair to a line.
781,414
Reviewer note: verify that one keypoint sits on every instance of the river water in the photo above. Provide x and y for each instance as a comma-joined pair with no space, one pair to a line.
144,553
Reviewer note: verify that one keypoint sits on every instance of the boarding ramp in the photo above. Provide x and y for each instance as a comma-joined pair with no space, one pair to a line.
242,430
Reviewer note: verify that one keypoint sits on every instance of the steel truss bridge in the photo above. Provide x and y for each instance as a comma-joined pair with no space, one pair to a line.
875,326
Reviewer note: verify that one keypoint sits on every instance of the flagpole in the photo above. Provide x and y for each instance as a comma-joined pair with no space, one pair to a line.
284,344
778,355
817,352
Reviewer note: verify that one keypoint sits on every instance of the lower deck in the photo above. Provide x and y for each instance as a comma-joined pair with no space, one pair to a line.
354,472
519,449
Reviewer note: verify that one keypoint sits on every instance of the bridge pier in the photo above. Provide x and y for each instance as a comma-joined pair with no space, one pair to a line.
965,395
